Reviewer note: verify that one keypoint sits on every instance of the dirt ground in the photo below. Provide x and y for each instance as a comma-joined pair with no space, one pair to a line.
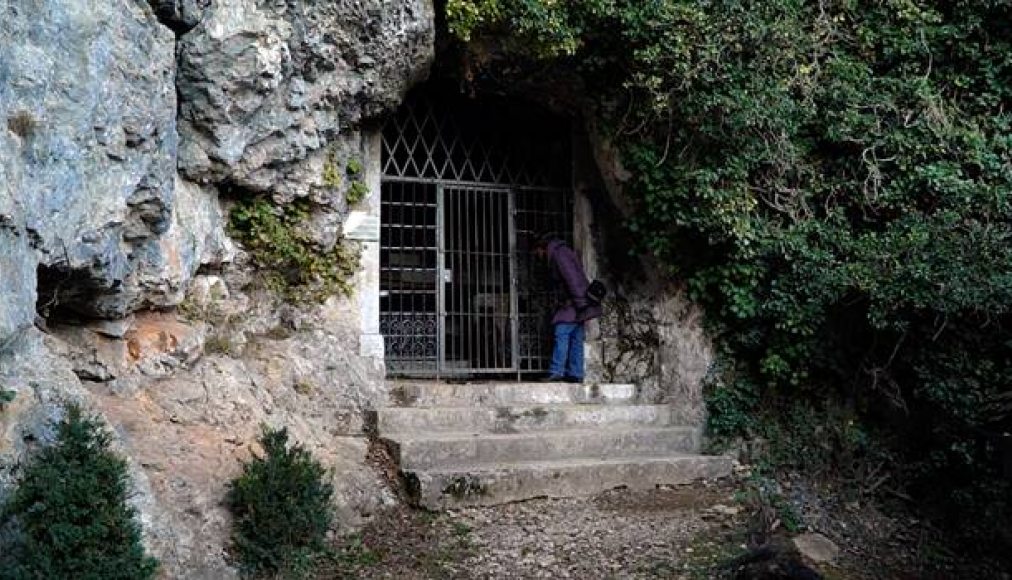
690,532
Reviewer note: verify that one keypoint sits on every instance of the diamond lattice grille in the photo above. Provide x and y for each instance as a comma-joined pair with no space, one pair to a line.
451,139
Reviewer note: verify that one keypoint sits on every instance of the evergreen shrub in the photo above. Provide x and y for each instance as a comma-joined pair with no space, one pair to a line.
70,514
281,508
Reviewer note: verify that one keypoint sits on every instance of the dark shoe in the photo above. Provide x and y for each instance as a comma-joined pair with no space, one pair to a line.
552,379
578,380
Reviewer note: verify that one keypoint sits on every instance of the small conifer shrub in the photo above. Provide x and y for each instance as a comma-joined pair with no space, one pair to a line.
70,511
281,508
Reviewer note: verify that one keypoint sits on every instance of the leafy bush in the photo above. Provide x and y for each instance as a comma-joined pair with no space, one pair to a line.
832,180
291,263
70,511
281,506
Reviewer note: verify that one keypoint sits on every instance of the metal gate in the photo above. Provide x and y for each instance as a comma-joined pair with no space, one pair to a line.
464,195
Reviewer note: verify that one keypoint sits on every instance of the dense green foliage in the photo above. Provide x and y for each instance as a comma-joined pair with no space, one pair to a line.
281,508
833,180
70,511
288,259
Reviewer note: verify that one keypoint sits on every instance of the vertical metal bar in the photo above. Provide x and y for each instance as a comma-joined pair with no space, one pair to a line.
384,312
465,337
499,351
486,336
479,226
491,342
403,316
479,246
513,286
431,251
440,306
457,273
462,275
451,231
499,321
417,330
504,279
502,302
451,263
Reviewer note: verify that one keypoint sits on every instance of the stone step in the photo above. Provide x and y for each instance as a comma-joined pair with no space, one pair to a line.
434,394
516,419
489,484
441,450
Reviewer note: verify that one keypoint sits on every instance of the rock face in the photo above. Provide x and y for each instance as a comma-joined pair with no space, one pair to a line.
111,204
180,15
265,84
87,102
651,334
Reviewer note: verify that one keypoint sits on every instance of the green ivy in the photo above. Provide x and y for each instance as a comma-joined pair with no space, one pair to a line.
832,180
354,167
290,262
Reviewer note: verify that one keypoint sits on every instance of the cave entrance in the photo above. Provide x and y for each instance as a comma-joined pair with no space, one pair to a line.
467,187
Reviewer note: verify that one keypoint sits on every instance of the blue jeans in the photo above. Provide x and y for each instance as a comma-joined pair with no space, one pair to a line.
567,357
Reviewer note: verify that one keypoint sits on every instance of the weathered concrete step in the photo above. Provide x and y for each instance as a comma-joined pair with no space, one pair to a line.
515,419
489,484
434,394
415,451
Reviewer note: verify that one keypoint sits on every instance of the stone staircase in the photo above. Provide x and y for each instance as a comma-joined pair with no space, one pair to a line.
489,443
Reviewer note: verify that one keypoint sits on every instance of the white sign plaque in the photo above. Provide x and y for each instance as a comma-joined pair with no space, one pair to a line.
361,226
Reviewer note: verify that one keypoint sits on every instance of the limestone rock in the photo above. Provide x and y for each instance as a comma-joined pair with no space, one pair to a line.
816,547
87,109
189,433
195,237
651,335
180,15
17,281
43,383
265,85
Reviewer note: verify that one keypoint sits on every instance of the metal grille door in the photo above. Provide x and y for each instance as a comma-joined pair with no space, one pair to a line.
465,193
478,282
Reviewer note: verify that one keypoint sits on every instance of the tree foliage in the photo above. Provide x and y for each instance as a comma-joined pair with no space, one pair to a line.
832,179
71,514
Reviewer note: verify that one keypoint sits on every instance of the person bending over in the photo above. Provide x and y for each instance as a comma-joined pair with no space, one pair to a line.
568,321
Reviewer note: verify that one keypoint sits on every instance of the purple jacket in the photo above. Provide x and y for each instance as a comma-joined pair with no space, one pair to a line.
574,282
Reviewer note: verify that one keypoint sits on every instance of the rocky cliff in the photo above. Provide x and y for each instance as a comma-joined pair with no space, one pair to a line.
126,129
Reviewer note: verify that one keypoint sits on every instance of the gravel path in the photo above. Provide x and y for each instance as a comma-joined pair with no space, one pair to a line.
687,532
618,534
